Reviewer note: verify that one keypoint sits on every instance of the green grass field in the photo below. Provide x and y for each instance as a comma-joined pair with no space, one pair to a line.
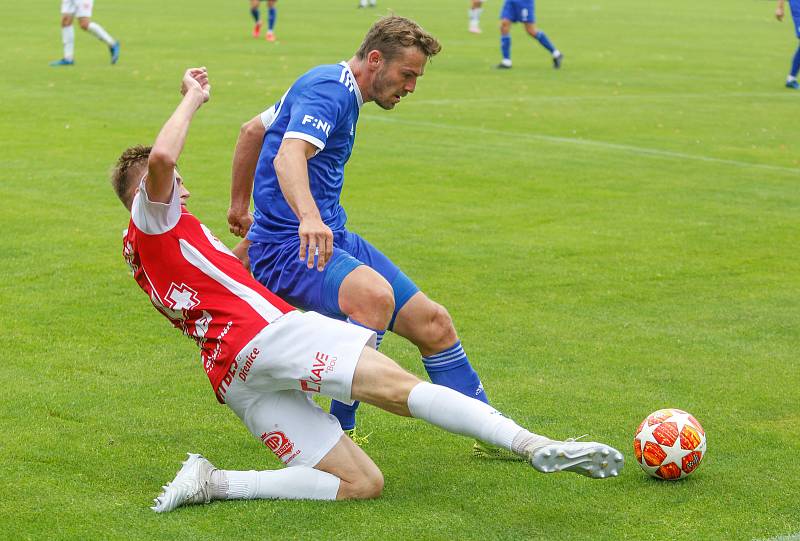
610,239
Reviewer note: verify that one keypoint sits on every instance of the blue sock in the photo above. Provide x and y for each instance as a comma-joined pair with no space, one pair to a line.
255,13
451,368
344,413
796,63
542,38
273,14
505,46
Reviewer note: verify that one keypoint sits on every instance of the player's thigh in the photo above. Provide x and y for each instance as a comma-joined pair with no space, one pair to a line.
403,288
380,381
278,267
296,430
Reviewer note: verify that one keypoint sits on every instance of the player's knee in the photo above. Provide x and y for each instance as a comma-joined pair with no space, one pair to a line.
366,487
84,23
66,20
441,332
373,306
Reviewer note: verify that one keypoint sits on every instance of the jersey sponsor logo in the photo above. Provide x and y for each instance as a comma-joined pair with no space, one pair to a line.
211,359
181,297
323,364
277,442
227,379
317,123
249,359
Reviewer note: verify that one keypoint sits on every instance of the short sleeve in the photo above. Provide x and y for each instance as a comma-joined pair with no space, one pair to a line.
317,112
155,218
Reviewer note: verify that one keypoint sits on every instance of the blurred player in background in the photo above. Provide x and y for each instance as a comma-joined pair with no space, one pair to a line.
475,10
264,359
522,11
299,174
365,3
82,9
794,6
272,15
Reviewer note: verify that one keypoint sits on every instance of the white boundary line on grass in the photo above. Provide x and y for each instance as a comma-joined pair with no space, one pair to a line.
788,537
641,151
610,97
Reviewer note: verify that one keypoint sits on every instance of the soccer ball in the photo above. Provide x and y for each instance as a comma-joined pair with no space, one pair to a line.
669,444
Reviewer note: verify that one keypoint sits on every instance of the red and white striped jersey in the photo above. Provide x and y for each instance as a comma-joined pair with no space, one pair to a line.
197,283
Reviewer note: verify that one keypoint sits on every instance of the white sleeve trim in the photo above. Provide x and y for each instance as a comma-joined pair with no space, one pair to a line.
305,137
268,117
155,218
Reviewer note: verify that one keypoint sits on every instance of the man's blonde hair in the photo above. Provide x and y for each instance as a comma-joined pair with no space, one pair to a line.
121,180
392,34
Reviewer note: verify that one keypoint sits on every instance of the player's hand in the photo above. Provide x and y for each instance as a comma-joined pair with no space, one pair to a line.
196,79
316,238
779,13
239,221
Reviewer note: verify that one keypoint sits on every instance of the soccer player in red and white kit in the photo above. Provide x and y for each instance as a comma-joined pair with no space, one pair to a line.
265,359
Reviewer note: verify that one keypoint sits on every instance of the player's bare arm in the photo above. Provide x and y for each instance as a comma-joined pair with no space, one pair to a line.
779,12
292,172
245,159
169,143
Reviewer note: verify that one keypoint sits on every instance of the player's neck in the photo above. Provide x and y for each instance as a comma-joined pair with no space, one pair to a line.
362,77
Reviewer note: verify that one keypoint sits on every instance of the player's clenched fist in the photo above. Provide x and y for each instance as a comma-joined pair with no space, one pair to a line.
196,79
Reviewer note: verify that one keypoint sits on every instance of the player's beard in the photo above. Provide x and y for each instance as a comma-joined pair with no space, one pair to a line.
380,88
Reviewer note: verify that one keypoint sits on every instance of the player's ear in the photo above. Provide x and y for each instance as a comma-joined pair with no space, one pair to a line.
374,58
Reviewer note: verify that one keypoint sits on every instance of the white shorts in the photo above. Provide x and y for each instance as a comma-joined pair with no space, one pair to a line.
298,355
77,8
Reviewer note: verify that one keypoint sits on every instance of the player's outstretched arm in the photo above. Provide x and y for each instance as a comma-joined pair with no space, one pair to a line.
291,167
779,10
169,143
245,159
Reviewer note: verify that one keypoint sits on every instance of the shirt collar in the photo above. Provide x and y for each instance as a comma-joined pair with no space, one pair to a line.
355,83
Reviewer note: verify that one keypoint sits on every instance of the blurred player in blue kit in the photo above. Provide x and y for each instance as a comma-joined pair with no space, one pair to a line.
296,150
522,11
272,15
794,6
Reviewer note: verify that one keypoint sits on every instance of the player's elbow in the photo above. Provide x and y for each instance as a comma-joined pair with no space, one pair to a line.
161,160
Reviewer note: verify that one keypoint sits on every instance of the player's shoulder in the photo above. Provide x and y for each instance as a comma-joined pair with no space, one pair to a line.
335,78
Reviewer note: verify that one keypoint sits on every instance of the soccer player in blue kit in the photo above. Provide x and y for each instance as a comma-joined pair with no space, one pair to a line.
272,15
794,5
296,151
522,11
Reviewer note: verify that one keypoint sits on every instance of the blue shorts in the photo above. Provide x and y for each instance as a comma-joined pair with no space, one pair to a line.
279,267
795,7
518,11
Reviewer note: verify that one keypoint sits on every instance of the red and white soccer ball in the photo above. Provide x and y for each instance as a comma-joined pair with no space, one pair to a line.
669,444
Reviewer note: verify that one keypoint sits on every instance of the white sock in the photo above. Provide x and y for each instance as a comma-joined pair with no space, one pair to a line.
556,53
363,3
100,33
295,483
790,78
68,39
460,414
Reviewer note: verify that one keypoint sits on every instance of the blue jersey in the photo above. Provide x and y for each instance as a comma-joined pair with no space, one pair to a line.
322,108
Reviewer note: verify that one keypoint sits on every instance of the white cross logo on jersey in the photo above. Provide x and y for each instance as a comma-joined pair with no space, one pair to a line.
182,297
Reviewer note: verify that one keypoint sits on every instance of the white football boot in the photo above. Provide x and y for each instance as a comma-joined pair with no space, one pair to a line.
189,486
591,459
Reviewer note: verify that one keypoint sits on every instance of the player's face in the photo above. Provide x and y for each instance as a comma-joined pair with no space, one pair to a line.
184,193
396,78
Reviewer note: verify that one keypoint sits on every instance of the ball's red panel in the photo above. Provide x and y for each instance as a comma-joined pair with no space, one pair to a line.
691,461
690,437
669,471
637,449
698,425
653,454
666,433
658,417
